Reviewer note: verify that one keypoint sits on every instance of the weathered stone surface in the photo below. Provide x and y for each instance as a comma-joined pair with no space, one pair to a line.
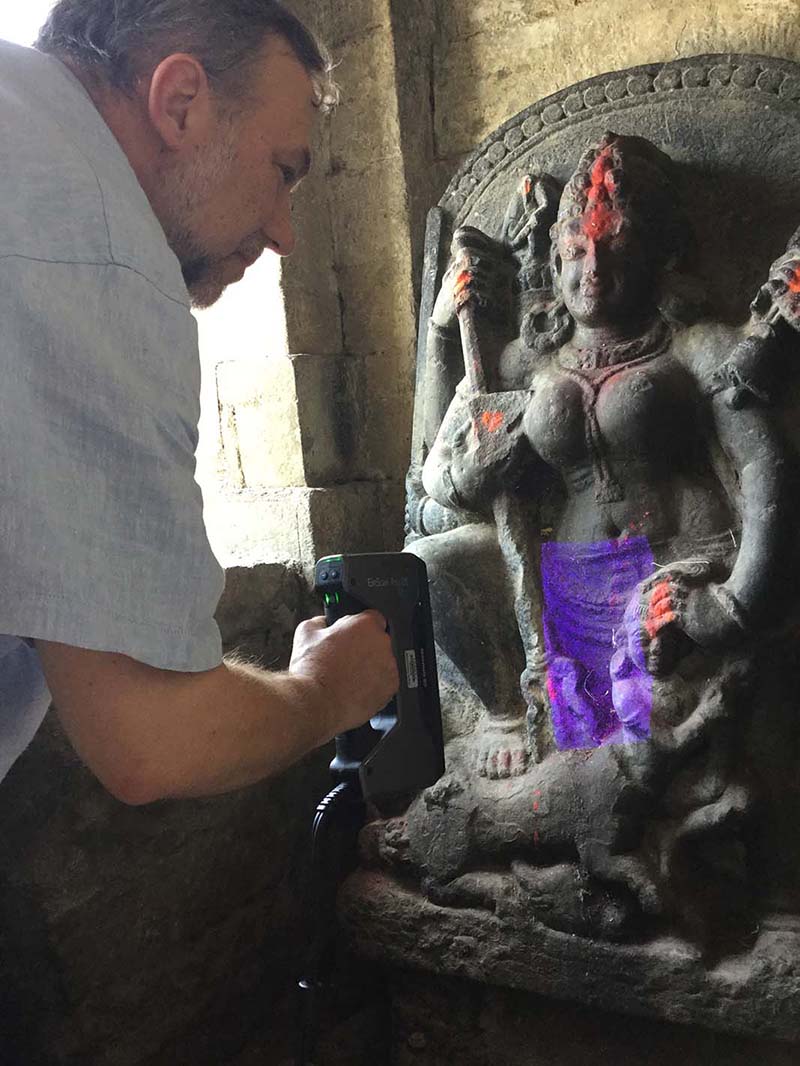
298,526
364,128
649,851
349,19
144,936
492,59
370,212
660,980
260,424
309,284
260,610
438,1021
296,421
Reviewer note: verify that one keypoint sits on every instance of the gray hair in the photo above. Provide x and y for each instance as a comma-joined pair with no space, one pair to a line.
117,41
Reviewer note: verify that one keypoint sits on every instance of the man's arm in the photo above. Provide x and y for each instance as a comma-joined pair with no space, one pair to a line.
150,734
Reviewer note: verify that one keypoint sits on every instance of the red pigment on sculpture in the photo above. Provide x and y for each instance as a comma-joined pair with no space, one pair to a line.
601,219
492,420
794,281
659,614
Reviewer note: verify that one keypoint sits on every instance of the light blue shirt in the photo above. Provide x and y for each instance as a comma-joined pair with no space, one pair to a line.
102,542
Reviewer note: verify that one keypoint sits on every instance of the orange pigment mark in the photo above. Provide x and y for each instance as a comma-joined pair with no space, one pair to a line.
492,420
659,614
601,219
794,281
526,185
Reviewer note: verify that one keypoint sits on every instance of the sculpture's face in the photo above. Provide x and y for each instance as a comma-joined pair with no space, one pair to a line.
607,271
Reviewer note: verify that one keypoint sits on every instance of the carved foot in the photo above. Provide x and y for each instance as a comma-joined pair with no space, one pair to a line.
564,897
481,890
502,750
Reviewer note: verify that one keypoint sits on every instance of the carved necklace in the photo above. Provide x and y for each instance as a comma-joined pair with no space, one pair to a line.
597,366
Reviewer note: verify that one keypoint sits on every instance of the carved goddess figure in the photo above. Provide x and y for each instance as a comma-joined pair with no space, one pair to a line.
602,510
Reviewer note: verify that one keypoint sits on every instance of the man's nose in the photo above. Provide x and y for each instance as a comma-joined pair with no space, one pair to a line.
280,230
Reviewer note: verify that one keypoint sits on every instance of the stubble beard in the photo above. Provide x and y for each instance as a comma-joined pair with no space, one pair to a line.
186,189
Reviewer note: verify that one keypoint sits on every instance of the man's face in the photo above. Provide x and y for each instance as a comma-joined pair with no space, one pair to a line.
232,199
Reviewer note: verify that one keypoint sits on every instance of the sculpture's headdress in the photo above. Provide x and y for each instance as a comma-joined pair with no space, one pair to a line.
620,177
627,176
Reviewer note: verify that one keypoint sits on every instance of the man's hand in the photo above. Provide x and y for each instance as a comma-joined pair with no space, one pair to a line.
351,661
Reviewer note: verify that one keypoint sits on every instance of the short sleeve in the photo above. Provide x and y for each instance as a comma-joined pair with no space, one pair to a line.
102,541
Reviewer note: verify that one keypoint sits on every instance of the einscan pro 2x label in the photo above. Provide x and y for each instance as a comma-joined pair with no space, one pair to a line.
411,669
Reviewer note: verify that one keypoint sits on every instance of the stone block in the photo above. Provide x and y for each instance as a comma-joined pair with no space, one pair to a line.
311,295
459,21
260,610
347,20
259,424
379,316
348,518
492,60
370,216
438,1019
304,420
298,526
109,913
387,429
248,527
332,405
365,127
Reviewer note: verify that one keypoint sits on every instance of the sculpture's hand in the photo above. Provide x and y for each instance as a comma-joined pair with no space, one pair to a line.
682,602
753,371
478,273
780,294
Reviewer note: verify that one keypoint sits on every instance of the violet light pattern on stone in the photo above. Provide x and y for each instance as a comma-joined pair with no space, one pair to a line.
599,688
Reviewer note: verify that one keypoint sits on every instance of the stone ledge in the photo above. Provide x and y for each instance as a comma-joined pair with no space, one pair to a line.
755,995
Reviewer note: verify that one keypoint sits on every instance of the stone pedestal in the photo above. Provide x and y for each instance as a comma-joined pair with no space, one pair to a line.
755,994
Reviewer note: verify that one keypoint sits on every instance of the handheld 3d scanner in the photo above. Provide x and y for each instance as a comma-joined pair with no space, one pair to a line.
396,754
400,750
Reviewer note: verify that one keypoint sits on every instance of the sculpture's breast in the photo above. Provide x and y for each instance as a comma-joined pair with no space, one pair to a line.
644,411
648,413
555,422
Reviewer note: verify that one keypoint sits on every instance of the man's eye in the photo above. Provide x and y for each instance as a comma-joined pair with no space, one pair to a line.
572,251
289,176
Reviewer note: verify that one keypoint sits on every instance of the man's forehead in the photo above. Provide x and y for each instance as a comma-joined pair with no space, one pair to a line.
280,68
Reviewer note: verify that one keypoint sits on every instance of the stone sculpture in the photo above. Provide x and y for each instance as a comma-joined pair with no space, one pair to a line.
605,511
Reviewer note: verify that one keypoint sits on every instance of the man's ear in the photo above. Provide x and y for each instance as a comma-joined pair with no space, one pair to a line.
180,103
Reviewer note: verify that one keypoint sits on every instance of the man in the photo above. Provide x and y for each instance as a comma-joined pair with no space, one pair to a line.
149,152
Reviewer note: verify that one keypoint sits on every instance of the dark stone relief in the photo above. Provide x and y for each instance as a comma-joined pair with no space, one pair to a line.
605,493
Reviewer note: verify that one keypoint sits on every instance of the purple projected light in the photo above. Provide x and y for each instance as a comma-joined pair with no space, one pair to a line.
600,690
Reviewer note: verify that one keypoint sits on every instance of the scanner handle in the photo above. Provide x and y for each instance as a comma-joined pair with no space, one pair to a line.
354,745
